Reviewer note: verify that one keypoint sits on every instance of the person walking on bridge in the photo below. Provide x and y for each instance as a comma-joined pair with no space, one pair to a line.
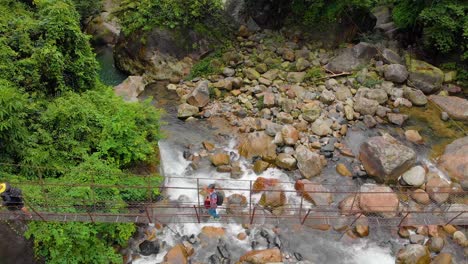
12,199
211,202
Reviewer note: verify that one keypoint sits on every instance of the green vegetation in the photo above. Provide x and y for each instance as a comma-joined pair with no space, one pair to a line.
444,24
58,122
209,65
146,15
313,12
314,74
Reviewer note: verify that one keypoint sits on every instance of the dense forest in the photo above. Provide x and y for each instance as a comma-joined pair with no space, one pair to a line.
60,123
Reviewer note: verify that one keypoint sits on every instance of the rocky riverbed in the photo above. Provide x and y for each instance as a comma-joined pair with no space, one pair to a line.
324,117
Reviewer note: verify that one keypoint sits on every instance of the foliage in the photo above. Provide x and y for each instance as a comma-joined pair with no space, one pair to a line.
57,121
148,14
444,23
87,8
43,49
312,12
75,243
314,73
209,65
462,72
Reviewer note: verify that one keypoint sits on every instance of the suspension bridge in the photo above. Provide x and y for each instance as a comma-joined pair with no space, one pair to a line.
245,203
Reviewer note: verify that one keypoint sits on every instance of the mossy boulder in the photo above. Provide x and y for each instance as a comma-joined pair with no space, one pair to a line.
424,76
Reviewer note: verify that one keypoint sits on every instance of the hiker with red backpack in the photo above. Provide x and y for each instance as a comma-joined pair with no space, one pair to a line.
213,199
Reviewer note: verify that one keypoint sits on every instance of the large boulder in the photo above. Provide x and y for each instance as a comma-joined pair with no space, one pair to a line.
391,57
415,177
416,97
309,163
163,54
396,73
386,158
272,255
130,88
442,258
351,59
376,199
186,111
286,161
314,192
257,144
103,29
290,134
456,107
177,254
424,76
200,96
273,197
413,254
262,184
454,161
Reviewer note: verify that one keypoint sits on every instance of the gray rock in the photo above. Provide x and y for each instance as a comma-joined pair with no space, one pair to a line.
327,97
251,74
416,97
271,74
311,111
308,162
342,93
396,73
130,88
436,244
365,106
186,110
200,96
391,57
364,50
397,119
413,253
344,62
261,68
382,111
302,64
415,177
417,239
331,84
286,161
369,121
386,158
285,118
296,77
444,116
349,112
378,95
322,127
229,72
456,107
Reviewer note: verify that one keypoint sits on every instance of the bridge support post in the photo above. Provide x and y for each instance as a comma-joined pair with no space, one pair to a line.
34,210
196,212
403,219
305,217
300,207
455,217
250,199
90,216
198,199
253,215
148,215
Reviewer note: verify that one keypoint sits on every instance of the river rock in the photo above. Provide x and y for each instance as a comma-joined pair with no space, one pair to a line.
454,161
456,107
322,127
362,230
314,192
284,118
342,93
346,61
349,112
261,68
436,244
257,144
369,121
229,72
288,55
302,64
200,96
364,50
177,254
391,57
311,111
413,254
413,136
262,184
186,111
417,239
396,73
103,29
219,159
251,74
148,248
378,95
290,134
131,88
309,163
378,199
273,197
438,189
424,76
386,158
272,255
416,97
420,196
260,166
235,204
365,106
349,205
296,77
397,119
460,238
343,170
327,97
442,258
271,74
212,232
286,161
